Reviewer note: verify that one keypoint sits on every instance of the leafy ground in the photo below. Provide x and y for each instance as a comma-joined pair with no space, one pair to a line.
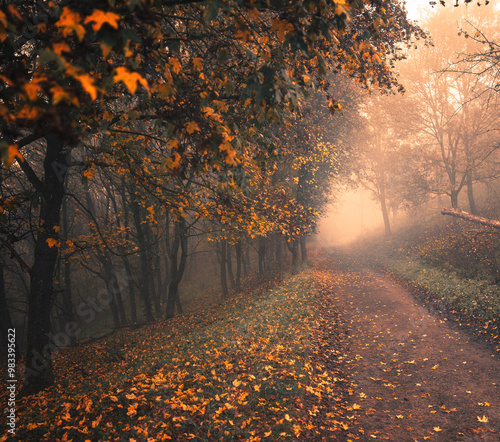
340,352
257,368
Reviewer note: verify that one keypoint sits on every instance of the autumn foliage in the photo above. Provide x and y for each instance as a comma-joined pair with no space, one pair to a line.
165,118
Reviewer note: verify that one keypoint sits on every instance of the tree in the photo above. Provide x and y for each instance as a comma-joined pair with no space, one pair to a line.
138,74
457,121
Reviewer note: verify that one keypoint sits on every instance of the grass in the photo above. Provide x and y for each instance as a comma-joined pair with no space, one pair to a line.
242,371
475,301
477,298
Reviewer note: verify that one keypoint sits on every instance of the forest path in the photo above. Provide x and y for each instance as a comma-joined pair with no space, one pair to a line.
416,376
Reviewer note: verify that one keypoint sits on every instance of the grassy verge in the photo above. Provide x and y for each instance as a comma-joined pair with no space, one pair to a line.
477,298
474,301
237,372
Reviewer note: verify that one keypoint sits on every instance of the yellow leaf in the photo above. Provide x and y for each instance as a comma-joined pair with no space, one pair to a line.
236,383
283,27
437,429
341,7
99,17
130,79
483,419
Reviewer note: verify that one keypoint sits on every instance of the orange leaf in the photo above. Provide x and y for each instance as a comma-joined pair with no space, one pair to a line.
130,79
88,84
176,66
191,127
12,153
174,161
197,63
99,17
70,22
89,174
52,242
32,90
60,47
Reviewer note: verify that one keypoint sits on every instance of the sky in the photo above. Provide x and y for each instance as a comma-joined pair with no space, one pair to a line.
355,213
413,6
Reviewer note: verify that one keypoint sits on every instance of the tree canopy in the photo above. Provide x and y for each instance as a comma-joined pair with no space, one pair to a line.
158,116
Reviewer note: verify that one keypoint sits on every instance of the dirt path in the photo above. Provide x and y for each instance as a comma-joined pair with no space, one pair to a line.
416,376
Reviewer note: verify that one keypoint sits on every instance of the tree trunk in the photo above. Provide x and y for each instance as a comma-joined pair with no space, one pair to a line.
125,259
67,302
229,261
238,266
131,290
470,194
108,279
5,319
262,256
469,217
39,373
247,261
177,270
385,213
303,249
269,257
143,256
294,249
454,198
279,251
223,261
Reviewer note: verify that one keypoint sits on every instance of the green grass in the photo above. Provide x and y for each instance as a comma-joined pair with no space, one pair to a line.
477,298
474,301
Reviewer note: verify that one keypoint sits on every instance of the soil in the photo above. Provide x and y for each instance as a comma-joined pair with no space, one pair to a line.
416,376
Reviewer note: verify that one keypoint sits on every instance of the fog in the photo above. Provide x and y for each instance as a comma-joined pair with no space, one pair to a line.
352,217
